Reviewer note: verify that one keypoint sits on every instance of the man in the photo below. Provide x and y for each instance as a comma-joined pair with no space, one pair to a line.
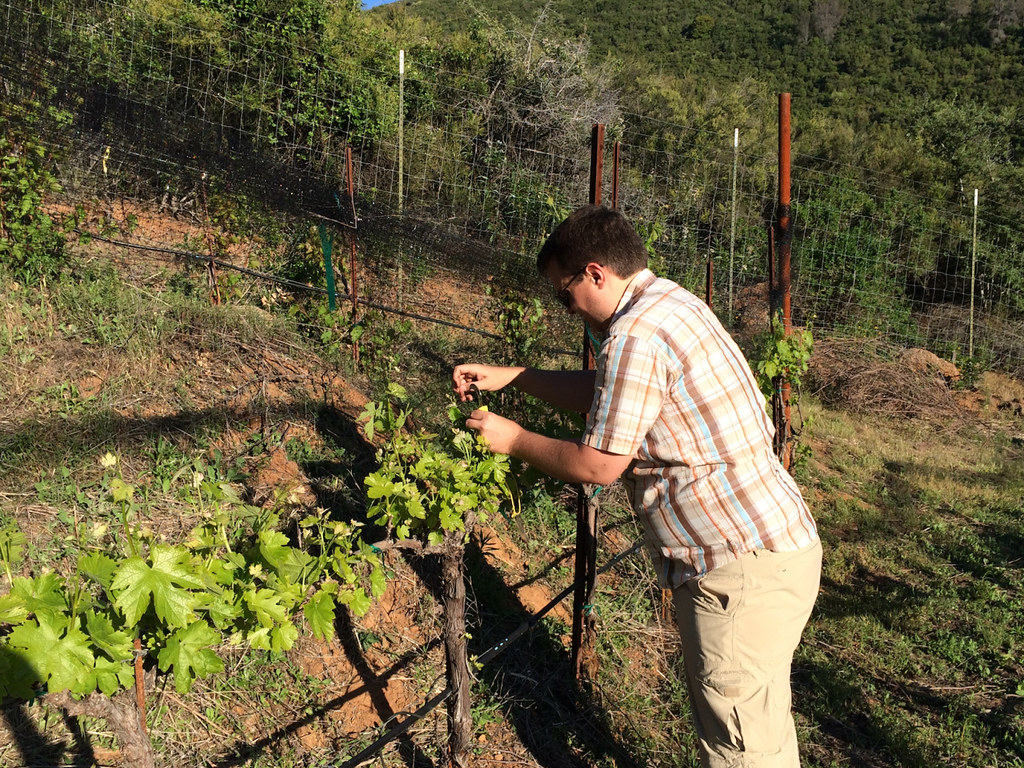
673,401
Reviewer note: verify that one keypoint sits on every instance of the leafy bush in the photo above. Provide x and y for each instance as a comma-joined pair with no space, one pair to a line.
31,241
780,357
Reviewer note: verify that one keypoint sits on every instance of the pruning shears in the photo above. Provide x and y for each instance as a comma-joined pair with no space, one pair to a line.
476,396
475,401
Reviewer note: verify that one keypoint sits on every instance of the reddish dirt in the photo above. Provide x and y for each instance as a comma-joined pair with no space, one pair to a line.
505,557
278,477
366,687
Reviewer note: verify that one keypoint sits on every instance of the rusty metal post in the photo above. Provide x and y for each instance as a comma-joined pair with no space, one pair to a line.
596,162
785,225
584,629
782,241
615,176
140,684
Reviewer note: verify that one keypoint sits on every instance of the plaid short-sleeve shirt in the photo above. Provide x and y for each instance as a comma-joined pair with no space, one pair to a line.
674,391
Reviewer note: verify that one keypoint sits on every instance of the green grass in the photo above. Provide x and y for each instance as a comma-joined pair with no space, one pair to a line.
913,651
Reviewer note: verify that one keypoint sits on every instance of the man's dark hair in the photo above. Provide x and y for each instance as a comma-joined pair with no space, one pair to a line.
594,233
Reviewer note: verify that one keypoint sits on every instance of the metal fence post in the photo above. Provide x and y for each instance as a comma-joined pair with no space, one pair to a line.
584,628
780,259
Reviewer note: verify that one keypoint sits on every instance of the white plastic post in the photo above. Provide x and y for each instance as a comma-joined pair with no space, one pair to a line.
401,125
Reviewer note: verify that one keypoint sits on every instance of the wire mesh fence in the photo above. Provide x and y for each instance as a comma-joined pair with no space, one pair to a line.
457,173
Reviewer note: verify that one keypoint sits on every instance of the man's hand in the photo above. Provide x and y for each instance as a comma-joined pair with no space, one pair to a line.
488,378
499,432
566,460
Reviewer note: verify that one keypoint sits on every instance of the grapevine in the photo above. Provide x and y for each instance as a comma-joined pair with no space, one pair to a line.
238,581
428,490
429,485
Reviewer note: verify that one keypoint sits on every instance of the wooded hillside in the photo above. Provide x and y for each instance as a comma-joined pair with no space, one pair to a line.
927,90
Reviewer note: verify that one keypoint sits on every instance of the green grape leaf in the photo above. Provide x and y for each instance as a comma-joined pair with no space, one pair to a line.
222,610
97,567
450,520
43,594
356,599
188,653
319,612
120,491
259,639
12,610
378,487
282,638
342,567
167,582
378,582
273,548
281,557
59,655
223,571
266,605
112,676
415,508
294,564
113,642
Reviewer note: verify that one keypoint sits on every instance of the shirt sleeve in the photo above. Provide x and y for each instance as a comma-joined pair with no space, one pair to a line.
632,375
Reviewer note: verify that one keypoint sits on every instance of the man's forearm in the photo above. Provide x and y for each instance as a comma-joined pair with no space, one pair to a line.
568,460
569,390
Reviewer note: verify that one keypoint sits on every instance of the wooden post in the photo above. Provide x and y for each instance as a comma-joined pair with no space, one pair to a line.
596,162
460,717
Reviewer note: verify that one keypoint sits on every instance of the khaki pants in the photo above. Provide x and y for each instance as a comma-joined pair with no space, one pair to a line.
740,625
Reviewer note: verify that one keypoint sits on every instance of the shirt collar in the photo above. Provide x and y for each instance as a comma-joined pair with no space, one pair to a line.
636,286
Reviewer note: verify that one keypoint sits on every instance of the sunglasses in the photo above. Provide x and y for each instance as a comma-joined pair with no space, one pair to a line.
563,296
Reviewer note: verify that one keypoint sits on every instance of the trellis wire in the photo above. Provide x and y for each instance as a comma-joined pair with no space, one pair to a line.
473,180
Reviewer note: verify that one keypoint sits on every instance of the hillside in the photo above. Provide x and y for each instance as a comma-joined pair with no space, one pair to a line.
912,656
863,61
923,95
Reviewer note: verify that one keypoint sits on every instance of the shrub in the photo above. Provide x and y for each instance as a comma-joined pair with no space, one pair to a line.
31,242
